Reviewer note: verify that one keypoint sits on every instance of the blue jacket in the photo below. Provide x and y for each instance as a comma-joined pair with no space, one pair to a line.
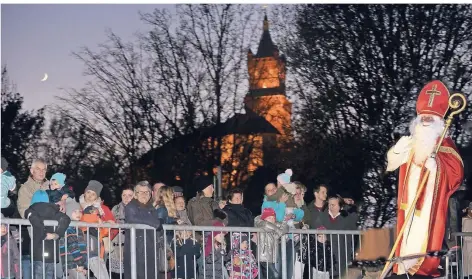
279,208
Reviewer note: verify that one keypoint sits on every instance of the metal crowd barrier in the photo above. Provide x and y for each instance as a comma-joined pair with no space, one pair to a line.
461,264
195,251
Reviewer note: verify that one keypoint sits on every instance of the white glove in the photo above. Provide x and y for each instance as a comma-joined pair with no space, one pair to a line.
403,144
430,164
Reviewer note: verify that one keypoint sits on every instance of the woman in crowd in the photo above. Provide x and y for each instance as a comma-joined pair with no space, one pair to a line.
91,197
335,218
117,245
166,207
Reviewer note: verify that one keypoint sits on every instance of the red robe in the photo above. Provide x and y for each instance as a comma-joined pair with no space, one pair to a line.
449,176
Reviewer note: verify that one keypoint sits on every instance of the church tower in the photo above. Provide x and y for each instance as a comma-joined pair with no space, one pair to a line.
266,96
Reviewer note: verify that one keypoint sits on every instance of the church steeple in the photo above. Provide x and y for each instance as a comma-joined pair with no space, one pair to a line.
266,96
266,46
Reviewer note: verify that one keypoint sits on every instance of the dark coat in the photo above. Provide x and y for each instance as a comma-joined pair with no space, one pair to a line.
204,211
341,244
137,213
36,214
314,214
238,216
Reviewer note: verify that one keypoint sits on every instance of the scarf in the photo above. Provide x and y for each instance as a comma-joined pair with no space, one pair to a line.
97,204
119,213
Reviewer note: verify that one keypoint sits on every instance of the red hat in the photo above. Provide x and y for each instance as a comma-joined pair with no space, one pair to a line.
433,99
321,228
267,212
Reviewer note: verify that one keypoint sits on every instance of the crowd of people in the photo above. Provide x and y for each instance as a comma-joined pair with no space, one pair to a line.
106,252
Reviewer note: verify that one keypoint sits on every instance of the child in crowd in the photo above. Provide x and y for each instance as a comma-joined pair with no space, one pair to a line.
8,184
96,235
243,264
284,186
268,242
215,254
320,254
74,255
57,192
187,252
10,255
45,249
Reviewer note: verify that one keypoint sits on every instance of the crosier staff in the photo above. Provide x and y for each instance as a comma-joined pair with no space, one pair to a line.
457,103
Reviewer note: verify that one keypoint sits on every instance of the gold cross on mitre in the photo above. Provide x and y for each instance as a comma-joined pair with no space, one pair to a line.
432,93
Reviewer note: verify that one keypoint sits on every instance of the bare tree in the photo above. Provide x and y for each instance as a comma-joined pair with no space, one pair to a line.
206,49
358,71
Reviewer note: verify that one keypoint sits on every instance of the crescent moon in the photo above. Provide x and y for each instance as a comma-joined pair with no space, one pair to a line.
45,77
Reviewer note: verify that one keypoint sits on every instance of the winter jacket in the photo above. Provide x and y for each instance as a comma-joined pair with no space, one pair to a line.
215,260
243,264
8,184
163,214
9,258
187,253
95,234
37,214
238,216
201,211
25,194
341,245
280,208
280,191
137,213
105,213
320,253
56,195
315,212
268,241
74,252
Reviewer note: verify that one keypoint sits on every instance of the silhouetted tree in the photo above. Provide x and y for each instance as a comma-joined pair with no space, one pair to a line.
21,130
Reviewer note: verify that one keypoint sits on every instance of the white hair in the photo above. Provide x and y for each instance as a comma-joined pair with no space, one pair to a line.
438,123
38,161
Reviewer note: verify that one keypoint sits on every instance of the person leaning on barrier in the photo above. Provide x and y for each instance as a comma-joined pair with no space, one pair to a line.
45,238
140,210
268,241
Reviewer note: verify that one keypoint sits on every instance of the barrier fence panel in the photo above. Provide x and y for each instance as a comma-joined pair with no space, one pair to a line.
461,262
93,250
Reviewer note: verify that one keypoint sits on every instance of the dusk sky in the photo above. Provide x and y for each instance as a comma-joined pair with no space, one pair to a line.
39,39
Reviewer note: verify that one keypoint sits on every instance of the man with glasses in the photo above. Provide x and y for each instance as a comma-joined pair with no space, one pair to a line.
140,210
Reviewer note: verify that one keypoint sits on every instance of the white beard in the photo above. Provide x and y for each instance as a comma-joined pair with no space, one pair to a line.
425,138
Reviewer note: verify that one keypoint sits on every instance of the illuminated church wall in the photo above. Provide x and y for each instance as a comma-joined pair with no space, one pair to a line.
243,154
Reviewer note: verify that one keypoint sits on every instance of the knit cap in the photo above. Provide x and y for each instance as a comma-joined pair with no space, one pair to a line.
39,196
203,182
284,178
60,178
267,212
94,186
71,206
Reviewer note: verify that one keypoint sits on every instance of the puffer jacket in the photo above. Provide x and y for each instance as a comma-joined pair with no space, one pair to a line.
269,239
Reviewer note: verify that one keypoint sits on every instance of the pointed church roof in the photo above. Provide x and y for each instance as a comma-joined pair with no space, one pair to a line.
266,46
